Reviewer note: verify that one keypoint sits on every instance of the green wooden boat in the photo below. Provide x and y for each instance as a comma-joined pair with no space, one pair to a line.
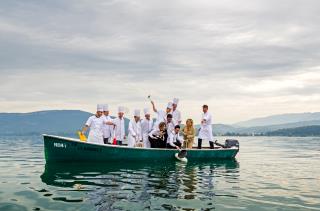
60,149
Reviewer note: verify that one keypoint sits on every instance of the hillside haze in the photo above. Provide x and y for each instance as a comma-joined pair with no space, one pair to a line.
54,122
279,119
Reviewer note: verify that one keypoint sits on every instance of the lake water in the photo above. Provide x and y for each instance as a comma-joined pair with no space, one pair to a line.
270,173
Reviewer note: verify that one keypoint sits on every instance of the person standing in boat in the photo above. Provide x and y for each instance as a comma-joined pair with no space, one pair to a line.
205,132
157,136
96,124
146,128
134,136
175,112
170,124
107,129
188,133
174,140
119,129
161,115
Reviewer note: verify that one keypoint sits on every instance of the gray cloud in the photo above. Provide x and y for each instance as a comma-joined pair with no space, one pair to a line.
70,53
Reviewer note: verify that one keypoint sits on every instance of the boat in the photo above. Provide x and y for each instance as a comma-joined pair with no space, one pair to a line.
61,149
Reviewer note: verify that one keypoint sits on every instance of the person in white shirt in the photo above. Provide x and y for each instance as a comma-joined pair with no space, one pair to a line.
119,129
146,128
161,115
175,112
96,123
107,129
170,124
134,136
205,132
157,136
174,140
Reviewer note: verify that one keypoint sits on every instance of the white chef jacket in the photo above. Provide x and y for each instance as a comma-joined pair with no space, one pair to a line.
134,133
161,117
205,132
146,128
95,124
107,129
170,126
176,114
174,137
119,130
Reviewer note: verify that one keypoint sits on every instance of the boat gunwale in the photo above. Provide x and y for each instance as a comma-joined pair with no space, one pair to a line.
136,148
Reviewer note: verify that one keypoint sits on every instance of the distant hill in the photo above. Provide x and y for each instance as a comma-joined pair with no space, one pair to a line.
313,130
279,119
269,128
60,122
67,122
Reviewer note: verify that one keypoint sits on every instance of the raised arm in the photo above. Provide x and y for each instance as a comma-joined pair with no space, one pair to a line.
154,107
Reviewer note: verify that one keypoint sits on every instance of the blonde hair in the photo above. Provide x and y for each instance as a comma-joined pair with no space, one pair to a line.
189,121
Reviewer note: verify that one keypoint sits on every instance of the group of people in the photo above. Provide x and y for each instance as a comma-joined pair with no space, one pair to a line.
164,132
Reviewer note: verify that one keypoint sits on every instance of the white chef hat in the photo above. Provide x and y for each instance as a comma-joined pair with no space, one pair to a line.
169,105
105,107
121,109
146,111
99,107
137,112
175,101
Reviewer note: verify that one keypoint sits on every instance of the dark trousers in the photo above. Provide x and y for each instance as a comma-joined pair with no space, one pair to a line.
105,140
200,143
157,142
176,143
119,142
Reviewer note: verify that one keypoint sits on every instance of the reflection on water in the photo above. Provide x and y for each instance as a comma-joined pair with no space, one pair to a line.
270,173
171,185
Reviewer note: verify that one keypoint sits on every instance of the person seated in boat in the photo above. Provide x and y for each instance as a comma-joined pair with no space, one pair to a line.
205,132
174,140
96,123
119,129
107,129
188,134
134,136
161,115
157,136
146,128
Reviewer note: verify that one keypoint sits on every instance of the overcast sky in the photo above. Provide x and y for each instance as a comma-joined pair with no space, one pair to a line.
244,58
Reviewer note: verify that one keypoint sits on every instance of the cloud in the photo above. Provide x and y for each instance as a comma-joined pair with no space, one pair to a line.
238,56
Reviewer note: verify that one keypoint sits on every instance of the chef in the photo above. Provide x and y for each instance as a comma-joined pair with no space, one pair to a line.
134,129
96,123
174,140
146,128
107,129
161,115
205,132
119,129
175,112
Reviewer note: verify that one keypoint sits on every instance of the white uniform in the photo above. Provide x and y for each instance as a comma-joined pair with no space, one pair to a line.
119,130
205,132
107,129
146,128
174,137
96,132
170,127
176,114
134,135
161,117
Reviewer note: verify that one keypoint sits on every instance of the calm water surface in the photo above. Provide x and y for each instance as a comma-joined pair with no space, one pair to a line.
270,173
